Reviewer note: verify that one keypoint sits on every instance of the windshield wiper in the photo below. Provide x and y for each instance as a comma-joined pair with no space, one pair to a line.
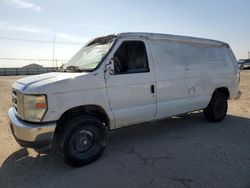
74,68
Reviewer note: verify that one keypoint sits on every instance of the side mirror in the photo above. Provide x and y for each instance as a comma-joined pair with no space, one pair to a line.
110,67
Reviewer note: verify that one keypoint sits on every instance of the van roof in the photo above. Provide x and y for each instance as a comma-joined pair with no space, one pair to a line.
177,38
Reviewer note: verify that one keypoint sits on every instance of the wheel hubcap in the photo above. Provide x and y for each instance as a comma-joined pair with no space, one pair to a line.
83,141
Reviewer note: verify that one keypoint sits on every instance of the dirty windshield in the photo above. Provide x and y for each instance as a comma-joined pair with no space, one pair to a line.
90,55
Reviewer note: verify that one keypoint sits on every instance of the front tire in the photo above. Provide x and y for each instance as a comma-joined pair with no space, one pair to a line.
82,140
217,108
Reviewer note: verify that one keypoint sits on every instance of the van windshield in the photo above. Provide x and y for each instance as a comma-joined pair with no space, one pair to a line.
89,57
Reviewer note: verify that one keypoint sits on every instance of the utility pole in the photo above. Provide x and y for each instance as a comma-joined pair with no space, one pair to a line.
53,50
248,55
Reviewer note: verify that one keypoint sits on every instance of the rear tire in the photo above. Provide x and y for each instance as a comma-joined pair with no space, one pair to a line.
82,140
217,108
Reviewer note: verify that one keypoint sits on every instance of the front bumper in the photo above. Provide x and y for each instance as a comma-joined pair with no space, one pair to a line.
31,135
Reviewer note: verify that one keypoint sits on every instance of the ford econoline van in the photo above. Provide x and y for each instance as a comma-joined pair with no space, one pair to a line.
120,80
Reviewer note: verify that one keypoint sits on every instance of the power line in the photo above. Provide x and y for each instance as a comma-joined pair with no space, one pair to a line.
39,41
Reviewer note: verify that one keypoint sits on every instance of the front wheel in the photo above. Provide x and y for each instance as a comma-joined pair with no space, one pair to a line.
82,140
217,108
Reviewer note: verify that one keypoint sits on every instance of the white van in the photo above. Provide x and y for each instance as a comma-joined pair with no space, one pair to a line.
120,80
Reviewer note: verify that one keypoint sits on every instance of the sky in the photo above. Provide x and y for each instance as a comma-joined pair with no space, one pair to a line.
28,27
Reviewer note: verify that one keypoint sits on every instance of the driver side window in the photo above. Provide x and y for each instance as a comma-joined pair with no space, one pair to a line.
131,57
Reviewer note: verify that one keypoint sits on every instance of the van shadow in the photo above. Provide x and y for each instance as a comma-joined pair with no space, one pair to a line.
20,168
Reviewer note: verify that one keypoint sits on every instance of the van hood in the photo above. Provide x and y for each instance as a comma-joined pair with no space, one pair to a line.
49,82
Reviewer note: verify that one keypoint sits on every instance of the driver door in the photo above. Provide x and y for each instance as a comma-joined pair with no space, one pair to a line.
131,88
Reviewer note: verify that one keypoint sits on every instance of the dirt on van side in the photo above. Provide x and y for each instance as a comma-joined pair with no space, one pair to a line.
184,151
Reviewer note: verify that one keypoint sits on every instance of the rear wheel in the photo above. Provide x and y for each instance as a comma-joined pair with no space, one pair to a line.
217,108
83,140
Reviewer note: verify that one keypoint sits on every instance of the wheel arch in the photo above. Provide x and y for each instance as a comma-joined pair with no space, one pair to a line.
223,90
93,110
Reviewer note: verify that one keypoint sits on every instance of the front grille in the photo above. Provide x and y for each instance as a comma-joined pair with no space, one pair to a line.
17,101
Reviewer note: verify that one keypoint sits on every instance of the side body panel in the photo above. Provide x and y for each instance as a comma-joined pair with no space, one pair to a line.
172,97
188,74
208,68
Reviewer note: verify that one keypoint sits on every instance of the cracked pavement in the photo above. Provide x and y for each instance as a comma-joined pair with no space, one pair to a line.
184,151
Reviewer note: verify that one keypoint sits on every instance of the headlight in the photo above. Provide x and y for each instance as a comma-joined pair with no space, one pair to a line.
35,107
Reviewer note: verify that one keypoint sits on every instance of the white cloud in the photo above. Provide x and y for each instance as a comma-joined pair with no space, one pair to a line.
25,28
24,5
6,26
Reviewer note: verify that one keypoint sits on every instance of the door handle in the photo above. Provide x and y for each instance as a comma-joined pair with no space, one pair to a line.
152,88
